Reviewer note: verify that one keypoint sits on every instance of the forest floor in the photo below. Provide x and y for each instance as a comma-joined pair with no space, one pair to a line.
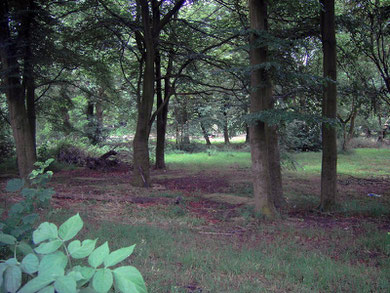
196,230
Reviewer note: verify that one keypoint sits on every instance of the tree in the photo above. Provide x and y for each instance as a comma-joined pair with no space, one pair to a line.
260,98
329,106
16,18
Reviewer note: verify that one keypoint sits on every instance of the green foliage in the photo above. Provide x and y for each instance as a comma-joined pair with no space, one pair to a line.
21,216
49,268
302,136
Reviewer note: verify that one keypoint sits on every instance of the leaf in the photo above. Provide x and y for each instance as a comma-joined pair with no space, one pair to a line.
24,248
12,278
48,247
7,239
30,219
70,228
97,257
118,255
14,185
45,231
30,263
86,272
75,275
46,194
78,250
65,284
16,208
87,290
3,267
11,261
129,279
53,265
48,289
102,280
37,284
29,192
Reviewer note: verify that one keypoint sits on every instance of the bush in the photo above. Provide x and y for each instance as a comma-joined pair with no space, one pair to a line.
363,142
301,136
7,148
48,267
22,215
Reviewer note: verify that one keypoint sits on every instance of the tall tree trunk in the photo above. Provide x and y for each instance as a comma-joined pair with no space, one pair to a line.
28,74
21,129
261,92
141,162
162,106
274,166
225,130
247,136
152,26
329,107
185,133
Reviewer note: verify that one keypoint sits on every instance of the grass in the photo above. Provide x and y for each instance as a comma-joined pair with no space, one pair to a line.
180,251
360,162
273,259
211,160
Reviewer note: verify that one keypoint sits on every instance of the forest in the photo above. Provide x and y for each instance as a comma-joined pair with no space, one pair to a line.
194,146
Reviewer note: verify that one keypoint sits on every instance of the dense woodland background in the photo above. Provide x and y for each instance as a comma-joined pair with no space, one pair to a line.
98,72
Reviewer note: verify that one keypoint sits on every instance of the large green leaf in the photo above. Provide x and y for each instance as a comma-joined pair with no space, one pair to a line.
13,278
14,185
129,279
48,247
65,284
70,228
53,265
24,248
97,257
86,272
48,289
30,263
3,267
78,250
102,280
117,256
37,284
7,239
30,219
45,231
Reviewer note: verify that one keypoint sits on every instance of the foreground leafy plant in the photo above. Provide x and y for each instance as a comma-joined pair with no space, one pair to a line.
22,216
49,268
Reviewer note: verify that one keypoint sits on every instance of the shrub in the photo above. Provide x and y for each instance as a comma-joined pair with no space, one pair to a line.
7,148
21,216
301,136
48,267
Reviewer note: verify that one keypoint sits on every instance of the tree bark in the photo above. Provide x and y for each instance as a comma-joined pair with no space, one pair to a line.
274,166
141,162
151,27
261,92
329,107
226,130
21,129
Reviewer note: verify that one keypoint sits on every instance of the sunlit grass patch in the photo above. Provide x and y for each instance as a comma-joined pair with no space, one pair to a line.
206,160
361,162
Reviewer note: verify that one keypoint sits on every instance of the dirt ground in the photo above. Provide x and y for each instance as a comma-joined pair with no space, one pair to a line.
217,197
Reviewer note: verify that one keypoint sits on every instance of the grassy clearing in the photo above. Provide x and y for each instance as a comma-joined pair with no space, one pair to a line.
208,160
360,163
